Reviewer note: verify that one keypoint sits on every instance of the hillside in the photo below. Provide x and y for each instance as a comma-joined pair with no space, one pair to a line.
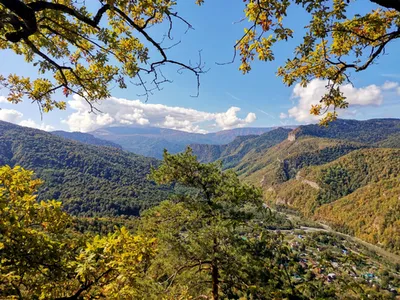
341,174
357,194
370,132
370,213
88,179
315,145
85,138
272,158
282,162
230,154
151,141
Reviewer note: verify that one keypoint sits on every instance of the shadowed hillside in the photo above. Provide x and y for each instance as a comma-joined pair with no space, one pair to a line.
90,180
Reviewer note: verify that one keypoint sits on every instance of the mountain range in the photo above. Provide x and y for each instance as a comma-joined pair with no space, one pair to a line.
345,175
151,141
85,138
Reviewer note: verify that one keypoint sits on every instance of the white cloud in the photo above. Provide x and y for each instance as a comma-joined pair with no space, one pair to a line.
283,116
389,85
3,99
229,119
14,116
10,115
306,96
116,111
33,124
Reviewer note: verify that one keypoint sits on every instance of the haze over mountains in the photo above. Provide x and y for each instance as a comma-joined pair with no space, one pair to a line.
151,141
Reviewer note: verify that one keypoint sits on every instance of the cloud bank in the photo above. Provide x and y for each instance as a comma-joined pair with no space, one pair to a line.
304,97
16,117
117,111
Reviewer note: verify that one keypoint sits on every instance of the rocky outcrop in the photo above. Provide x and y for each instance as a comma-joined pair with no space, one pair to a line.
313,184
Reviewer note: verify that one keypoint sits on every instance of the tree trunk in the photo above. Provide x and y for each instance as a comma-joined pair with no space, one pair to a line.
215,272
215,282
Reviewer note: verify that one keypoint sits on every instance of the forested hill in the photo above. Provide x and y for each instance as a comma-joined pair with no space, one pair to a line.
374,131
88,179
346,174
357,194
85,138
281,152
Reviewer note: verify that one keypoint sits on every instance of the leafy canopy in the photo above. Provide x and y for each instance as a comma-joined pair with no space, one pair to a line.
335,43
85,50
88,51
42,258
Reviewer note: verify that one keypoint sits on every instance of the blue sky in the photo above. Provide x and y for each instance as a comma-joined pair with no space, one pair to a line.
261,96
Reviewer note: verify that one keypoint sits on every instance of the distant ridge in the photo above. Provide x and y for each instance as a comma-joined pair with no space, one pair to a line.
368,131
85,138
151,141
230,154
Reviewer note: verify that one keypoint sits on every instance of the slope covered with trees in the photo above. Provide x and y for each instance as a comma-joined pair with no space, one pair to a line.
281,162
372,132
315,145
352,155
90,180
276,156
370,213
357,194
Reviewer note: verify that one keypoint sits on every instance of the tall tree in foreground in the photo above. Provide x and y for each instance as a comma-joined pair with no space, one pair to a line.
211,239
214,242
